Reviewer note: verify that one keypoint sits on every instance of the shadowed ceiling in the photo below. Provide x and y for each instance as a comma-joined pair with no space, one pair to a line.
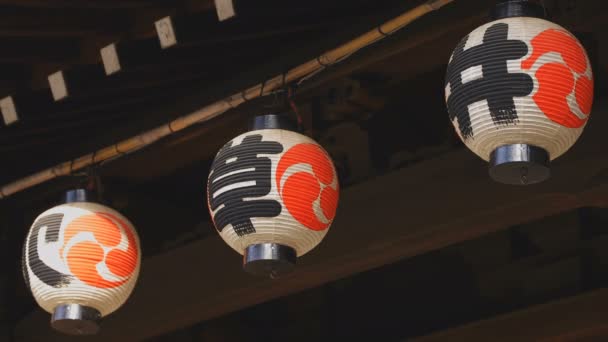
424,243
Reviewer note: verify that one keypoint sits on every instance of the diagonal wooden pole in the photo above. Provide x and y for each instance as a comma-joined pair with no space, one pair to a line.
300,72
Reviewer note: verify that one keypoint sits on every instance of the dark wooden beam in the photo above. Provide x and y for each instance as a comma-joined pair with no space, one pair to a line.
126,55
579,318
90,86
25,105
193,6
75,80
203,27
13,76
428,37
14,72
424,207
141,62
60,22
195,145
41,114
93,4
39,50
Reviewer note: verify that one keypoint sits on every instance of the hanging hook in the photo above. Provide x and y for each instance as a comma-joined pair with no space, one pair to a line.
290,94
92,181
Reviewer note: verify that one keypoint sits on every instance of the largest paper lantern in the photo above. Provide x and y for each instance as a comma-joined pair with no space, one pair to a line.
519,92
81,261
272,194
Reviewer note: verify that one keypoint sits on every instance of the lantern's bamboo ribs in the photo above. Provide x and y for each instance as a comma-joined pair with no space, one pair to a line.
313,66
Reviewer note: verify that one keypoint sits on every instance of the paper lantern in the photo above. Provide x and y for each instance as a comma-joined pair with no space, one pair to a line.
519,92
81,261
272,194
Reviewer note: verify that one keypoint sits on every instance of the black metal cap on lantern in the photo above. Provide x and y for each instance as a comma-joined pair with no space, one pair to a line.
269,259
519,164
76,319
79,195
273,121
517,8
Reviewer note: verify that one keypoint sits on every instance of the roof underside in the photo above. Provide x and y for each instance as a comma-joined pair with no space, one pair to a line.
423,241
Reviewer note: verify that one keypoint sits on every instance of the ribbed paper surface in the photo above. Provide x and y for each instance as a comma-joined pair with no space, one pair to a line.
81,253
273,186
519,80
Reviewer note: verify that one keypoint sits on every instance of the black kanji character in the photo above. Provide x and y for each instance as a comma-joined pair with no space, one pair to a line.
497,85
238,174
44,272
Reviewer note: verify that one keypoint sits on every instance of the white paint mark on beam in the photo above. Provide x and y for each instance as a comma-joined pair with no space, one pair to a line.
165,32
109,57
58,86
225,9
9,112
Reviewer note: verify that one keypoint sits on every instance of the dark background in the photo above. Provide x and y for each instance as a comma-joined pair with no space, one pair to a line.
424,244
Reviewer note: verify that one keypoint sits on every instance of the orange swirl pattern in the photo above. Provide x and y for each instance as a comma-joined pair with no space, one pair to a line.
81,253
302,189
284,185
83,257
556,81
519,80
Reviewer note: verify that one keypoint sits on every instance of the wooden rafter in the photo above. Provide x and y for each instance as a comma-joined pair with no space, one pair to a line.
579,318
93,4
58,22
39,50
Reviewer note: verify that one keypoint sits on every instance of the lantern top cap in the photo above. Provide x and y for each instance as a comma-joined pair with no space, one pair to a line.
78,195
517,8
273,121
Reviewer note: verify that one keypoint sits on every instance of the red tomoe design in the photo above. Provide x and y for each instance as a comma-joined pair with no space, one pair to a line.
302,189
556,81
83,257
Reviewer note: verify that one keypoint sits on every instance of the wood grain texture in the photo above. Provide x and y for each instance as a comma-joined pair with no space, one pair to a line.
579,318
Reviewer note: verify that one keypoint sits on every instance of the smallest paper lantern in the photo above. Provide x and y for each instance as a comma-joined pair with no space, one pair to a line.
81,261
272,194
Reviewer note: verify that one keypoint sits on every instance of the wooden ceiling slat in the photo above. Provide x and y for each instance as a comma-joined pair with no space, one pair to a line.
39,50
579,318
58,22
28,104
74,81
93,4
200,28
119,56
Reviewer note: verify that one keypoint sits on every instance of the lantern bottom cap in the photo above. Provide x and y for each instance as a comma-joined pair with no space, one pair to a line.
76,319
519,164
269,259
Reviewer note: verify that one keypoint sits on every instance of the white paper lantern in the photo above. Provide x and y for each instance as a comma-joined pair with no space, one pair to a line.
81,261
519,92
272,194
